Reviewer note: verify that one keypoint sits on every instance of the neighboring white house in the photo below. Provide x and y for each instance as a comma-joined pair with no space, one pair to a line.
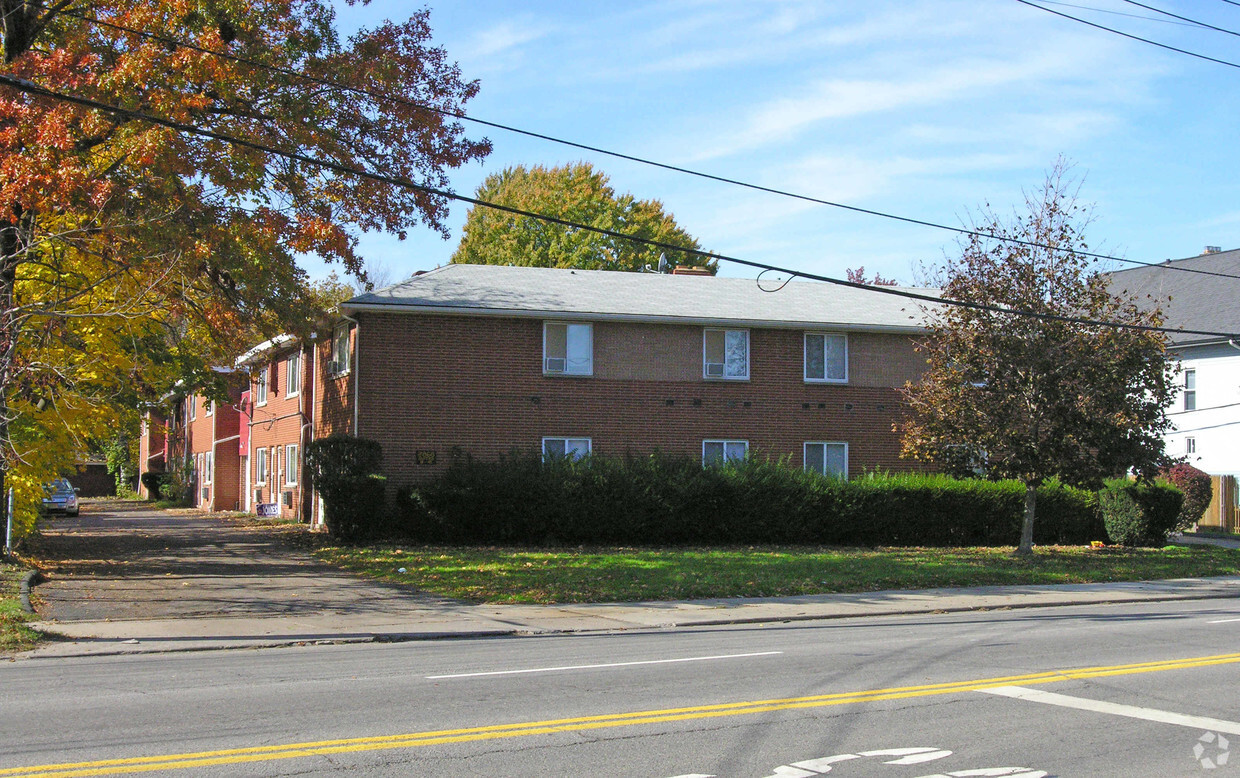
1206,412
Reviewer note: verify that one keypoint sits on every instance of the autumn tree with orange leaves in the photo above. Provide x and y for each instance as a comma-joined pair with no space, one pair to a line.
131,253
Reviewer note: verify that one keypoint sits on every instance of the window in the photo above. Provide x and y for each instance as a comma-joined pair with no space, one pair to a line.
260,466
208,467
826,357
572,448
725,354
1190,445
717,452
260,389
292,377
827,458
290,465
192,401
1190,389
208,407
340,362
568,349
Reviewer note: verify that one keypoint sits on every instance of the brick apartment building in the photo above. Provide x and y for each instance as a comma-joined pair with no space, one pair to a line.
202,436
485,360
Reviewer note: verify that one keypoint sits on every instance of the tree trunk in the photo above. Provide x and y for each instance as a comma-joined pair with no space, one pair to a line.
1026,531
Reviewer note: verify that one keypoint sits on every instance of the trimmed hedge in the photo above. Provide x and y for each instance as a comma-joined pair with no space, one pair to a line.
345,472
1198,492
1140,514
671,500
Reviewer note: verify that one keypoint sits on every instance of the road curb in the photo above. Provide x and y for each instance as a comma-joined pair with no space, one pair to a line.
32,578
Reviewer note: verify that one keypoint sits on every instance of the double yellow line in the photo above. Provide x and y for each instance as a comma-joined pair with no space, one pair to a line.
438,737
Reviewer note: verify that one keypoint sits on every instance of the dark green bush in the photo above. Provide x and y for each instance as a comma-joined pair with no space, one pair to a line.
1139,514
153,482
1198,492
346,473
672,500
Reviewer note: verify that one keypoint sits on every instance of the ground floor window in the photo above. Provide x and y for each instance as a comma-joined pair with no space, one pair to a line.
260,467
290,465
827,458
573,448
716,452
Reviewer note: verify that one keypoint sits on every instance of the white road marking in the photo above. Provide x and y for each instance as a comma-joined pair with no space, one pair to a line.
609,664
1130,711
910,755
1222,621
1009,772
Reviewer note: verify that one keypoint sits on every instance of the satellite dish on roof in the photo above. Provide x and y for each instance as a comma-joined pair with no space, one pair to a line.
662,263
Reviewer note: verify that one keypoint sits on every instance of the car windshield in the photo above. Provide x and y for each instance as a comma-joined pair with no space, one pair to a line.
59,486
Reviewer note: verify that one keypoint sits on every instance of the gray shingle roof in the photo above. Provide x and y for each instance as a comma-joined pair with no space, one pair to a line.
603,294
1197,301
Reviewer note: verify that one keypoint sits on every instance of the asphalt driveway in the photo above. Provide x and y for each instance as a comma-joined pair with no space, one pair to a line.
121,560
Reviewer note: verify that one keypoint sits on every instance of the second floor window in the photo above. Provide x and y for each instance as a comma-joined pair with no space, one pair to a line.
725,354
193,407
260,389
826,357
340,362
568,349
1190,389
292,378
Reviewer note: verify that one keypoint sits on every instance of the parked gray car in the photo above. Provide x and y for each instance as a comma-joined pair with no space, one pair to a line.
61,497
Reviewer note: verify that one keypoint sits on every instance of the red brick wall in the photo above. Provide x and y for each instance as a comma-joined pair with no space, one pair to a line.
277,424
433,383
151,447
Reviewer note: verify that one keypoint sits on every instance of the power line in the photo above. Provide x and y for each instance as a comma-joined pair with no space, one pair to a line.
1120,13
620,155
1130,36
1182,18
34,89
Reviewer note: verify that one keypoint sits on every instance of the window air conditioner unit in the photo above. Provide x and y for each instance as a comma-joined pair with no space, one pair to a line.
714,369
288,499
556,364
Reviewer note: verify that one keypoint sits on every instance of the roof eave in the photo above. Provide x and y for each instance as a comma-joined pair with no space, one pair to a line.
903,329
265,348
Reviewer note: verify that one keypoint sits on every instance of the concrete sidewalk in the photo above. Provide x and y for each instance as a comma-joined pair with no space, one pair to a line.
448,620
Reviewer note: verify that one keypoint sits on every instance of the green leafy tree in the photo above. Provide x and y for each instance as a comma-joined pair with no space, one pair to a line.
1033,399
577,193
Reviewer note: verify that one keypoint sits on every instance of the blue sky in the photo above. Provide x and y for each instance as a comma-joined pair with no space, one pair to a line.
923,109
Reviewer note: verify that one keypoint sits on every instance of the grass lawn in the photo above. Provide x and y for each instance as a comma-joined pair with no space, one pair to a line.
514,575
14,634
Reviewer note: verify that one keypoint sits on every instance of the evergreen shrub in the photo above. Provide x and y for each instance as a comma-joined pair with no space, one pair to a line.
662,499
346,473
1139,514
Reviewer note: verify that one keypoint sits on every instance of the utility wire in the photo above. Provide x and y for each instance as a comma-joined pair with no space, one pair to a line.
1182,18
620,155
1120,13
29,87
1129,36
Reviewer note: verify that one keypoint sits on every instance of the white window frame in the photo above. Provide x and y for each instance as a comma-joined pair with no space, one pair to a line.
1190,392
342,349
723,376
566,440
261,386
193,407
1190,445
805,360
568,368
291,464
292,378
208,467
725,442
824,444
208,407
261,467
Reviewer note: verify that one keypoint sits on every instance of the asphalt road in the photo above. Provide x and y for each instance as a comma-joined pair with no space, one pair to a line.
1122,690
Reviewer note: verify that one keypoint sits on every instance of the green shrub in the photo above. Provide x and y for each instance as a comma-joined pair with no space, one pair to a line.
672,500
154,483
1198,492
345,472
1139,514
